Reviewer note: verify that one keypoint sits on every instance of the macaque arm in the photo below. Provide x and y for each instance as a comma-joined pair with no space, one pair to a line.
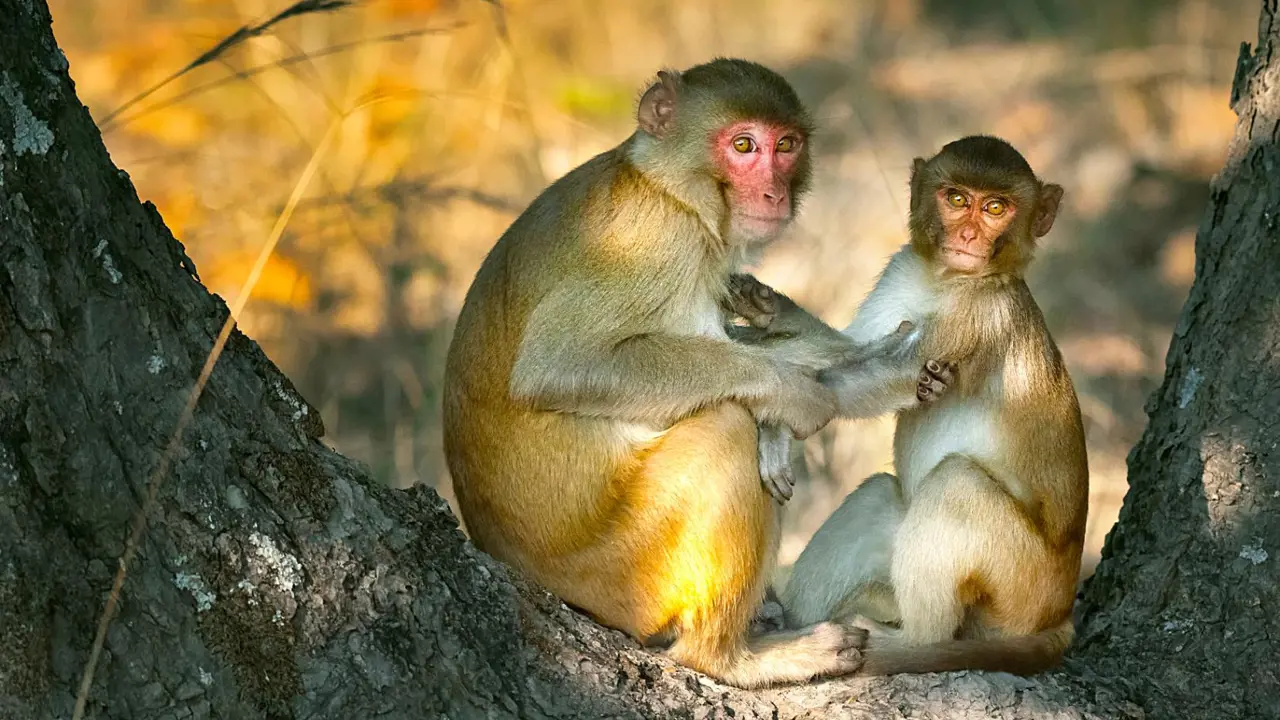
870,390
636,373
795,336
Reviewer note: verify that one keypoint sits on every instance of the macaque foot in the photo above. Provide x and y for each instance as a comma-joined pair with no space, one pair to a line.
753,300
934,380
847,640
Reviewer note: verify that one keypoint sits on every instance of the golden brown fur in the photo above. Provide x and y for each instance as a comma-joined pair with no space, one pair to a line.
974,546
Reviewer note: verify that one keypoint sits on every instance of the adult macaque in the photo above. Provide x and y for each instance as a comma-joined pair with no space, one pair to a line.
974,547
600,425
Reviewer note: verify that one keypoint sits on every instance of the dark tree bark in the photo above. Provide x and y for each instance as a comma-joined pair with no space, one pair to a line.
1188,588
276,581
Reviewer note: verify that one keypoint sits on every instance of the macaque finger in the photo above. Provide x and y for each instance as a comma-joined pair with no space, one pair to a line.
779,483
934,380
941,370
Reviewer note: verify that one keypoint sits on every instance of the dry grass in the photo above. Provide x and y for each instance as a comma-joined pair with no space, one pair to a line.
1122,101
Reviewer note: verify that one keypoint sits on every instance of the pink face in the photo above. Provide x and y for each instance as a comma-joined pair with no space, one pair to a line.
759,162
971,222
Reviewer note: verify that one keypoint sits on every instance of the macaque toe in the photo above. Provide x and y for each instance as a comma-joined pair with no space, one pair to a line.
855,637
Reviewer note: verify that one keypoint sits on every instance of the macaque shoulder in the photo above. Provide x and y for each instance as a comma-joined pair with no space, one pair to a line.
905,290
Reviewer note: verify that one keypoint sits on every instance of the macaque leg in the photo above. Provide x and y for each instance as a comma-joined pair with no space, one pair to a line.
693,555
844,570
966,540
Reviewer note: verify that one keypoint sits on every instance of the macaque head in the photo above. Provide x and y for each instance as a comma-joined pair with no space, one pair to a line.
977,207
730,138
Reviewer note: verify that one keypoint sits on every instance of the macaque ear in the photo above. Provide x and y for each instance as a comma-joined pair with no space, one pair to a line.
917,177
1047,209
657,111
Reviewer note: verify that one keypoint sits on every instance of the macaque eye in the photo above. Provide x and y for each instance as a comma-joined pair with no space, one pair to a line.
786,144
956,199
995,208
744,144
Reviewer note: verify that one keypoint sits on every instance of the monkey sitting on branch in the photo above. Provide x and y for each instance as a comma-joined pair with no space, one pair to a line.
600,426
973,549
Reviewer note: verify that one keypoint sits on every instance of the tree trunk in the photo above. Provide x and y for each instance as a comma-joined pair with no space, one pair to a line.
276,581
1188,588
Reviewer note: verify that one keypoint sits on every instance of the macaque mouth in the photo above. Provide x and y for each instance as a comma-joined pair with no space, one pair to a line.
959,251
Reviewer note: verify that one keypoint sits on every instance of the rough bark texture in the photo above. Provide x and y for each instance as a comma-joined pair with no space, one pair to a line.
277,581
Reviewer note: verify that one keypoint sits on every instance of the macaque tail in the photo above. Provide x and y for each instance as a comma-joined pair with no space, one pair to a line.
1023,655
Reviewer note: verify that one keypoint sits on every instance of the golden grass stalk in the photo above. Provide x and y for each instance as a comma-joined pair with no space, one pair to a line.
228,43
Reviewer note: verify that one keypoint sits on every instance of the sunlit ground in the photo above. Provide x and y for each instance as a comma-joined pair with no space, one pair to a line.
476,106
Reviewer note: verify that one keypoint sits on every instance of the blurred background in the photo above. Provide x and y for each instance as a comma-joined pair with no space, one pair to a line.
454,114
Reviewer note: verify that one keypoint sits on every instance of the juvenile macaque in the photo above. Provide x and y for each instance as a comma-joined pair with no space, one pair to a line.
600,425
974,547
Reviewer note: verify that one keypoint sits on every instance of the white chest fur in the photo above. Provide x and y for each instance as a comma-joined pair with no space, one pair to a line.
964,426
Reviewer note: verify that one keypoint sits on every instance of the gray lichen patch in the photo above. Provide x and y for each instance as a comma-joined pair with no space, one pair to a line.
1187,391
30,133
193,584
296,404
1254,553
283,569
108,264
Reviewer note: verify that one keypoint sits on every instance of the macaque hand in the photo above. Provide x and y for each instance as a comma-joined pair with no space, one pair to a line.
756,302
900,344
935,378
774,452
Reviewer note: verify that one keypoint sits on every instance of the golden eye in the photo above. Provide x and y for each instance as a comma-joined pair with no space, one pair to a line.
786,144
744,144
995,208
956,199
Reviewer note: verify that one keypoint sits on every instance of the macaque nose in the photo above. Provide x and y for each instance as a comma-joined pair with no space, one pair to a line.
777,195
968,233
